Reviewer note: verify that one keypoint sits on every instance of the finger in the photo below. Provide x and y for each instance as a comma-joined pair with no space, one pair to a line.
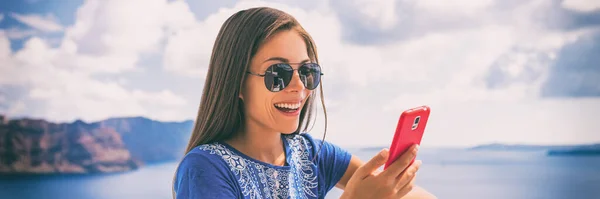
373,164
409,173
402,163
406,188
407,179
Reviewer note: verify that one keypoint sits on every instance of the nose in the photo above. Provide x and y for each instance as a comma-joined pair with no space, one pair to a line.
296,84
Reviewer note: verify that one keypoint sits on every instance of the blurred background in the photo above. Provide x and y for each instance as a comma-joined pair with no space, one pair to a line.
98,97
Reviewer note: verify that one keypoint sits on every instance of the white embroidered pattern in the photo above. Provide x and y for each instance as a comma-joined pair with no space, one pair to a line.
258,181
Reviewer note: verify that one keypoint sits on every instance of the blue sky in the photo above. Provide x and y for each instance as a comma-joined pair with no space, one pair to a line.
492,71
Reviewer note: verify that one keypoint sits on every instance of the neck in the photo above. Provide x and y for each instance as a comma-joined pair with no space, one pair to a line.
261,144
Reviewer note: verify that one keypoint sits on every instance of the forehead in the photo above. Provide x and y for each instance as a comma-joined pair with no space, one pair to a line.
285,44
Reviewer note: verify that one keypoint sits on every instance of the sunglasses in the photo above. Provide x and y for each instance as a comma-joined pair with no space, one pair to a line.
278,76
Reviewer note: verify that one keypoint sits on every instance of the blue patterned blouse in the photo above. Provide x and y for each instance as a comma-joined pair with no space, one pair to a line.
218,170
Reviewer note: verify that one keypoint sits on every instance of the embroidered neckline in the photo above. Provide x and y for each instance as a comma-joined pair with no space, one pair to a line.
259,180
286,150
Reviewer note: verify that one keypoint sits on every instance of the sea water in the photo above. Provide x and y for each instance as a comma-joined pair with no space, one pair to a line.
448,173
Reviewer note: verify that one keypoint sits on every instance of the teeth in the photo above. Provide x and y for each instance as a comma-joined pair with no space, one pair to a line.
288,105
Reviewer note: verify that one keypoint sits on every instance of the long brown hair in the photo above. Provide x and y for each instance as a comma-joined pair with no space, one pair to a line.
221,113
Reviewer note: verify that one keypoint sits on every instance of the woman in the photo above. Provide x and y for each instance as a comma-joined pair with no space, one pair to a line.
249,138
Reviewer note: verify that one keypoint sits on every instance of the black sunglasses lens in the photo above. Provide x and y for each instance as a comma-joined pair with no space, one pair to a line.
310,74
278,76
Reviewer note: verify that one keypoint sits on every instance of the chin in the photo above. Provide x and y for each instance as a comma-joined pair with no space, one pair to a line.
289,130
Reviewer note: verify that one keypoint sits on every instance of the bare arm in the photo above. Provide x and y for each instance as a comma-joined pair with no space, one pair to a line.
355,163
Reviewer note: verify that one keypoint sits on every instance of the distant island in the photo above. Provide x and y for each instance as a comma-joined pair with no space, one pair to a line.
517,147
551,150
35,146
585,150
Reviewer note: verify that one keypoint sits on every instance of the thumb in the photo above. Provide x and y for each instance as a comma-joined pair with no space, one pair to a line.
373,164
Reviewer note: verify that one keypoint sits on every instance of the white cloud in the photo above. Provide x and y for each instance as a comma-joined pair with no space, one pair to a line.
189,47
382,13
49,23
463,124
451,64
108,37
16,33
112,36
165,98
88,99
448,65
467,7
4,46
581,5
69,95
447,70
366,86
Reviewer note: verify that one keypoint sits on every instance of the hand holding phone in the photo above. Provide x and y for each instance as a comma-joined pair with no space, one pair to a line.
409,131
398,180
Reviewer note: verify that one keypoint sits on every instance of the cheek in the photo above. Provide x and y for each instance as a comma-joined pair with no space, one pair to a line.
308,93
256,97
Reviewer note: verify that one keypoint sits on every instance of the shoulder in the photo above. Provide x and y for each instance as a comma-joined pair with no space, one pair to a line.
204,160
203,173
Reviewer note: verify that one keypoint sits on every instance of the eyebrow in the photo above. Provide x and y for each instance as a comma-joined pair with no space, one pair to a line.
284,60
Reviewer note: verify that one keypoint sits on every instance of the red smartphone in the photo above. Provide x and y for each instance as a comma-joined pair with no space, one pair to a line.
409,131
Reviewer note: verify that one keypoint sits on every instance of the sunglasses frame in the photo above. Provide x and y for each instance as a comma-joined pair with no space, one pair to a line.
289,65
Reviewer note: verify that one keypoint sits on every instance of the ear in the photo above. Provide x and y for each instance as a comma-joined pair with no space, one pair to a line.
241,89
241,94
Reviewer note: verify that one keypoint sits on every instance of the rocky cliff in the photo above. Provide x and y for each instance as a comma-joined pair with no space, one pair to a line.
37,146
151,140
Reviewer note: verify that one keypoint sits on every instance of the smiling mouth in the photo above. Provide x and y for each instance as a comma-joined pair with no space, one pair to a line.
288,107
